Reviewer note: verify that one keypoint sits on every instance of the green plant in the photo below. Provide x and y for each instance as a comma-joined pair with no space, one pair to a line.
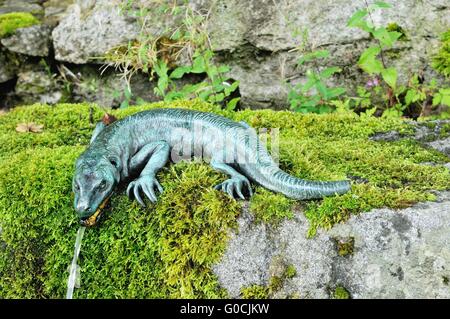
10,22
372,59
127,96
158,56
413,97
441,61
214,89
314,96
442,97
419,96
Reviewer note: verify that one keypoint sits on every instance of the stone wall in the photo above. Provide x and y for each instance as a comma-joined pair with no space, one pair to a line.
257,38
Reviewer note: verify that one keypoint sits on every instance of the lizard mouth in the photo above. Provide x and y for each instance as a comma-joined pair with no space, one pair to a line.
93,219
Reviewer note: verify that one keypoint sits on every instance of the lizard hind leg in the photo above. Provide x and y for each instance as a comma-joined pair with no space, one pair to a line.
236,184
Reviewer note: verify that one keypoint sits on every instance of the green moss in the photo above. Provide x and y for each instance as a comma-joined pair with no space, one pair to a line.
394,27
445,131
10,22
167,249
270,207
255,292
277,282
441,61
345,246
341,293
430,125
64,124
290,272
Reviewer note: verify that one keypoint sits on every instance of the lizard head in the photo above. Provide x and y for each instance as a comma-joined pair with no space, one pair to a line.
93,183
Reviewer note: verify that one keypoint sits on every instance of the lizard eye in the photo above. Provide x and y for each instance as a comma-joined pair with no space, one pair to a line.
102,185
77,187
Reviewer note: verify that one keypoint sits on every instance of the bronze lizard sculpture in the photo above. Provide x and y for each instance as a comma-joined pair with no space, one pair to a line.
141,144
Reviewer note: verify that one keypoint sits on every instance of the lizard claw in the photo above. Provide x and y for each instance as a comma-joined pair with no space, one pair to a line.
146,184
234,186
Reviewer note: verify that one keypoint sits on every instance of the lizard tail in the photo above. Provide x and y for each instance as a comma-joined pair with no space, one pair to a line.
262,169
273,178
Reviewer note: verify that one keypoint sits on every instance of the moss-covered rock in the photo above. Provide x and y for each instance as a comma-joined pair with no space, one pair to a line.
168,249
10,22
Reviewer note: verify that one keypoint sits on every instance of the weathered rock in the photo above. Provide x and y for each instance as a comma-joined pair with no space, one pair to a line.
396,254
35,86
441,145
89,29
108,89
258,39
33,41
389,136
275,28
7,69
431,134
32,6
55,10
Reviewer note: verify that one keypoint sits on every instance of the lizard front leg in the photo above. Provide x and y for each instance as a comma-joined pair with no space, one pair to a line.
154,156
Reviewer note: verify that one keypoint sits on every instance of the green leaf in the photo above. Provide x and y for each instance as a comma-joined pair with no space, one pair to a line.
199,66
380,5
217,98
124,104
335,92
179,72
390,76
229,89
176,35
322,89
205,94
391,113
437,98
382,35
445,96
319,54
223,69
325,74
127,93
174,95
357,18
410,97
394,35
368,61
308,85
231,105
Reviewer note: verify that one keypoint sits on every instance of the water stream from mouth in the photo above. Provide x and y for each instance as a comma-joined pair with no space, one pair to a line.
74,268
